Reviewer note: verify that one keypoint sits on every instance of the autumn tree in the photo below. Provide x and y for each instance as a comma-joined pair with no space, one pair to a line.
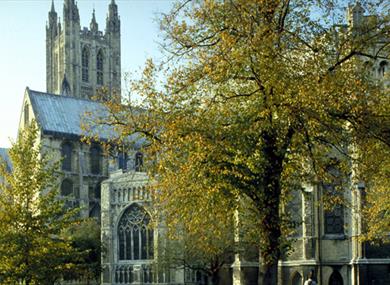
199,251
31,216
258,97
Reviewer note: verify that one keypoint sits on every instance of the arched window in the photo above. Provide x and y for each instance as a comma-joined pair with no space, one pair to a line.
99,67
122,161
134,235
94,211
66,187
95,154
382,68
85,65
334,220
335,278
26,115
139,161
97,190
66,153
297,279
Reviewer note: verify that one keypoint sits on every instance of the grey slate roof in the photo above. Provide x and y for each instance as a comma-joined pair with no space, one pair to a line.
5,157
63,115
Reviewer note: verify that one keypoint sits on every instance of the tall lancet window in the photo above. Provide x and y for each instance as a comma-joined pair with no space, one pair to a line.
99,67
135,235
85,64
66,153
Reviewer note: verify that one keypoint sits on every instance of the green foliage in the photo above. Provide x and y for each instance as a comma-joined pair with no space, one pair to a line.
85,240
32,217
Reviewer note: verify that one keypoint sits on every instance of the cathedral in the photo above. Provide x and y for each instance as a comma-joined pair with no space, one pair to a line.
79,62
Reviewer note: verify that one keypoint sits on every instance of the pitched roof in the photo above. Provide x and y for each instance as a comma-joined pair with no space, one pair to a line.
63,115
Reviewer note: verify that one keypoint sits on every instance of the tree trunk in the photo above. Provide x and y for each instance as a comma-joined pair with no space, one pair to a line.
215,278
268,274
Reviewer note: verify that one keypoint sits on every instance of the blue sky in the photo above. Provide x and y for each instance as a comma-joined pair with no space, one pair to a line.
22,45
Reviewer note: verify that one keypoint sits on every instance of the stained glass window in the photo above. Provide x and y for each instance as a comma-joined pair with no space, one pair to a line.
134,235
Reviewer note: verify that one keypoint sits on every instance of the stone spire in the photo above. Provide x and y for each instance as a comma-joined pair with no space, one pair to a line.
112,20
71,12
94,25
52,25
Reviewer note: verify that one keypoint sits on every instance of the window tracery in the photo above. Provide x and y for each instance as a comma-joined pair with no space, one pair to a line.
134,235
85,65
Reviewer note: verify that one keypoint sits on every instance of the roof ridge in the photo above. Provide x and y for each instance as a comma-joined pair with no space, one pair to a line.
62,96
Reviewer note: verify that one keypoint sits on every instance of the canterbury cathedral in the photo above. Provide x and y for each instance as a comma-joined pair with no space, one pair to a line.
113,189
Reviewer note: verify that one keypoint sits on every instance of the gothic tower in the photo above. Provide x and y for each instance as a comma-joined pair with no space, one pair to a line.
81,61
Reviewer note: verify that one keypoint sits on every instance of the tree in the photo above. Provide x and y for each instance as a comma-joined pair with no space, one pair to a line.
200,251
31,216
85,240
259,97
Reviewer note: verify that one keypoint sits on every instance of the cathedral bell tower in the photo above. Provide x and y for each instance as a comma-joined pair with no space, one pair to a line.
83,60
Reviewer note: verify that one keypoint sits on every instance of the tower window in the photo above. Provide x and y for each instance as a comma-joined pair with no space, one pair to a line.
66,187
95,159
85,65
66,153
135,235
99,68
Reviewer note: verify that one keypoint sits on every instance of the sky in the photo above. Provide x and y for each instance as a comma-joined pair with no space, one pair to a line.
23,45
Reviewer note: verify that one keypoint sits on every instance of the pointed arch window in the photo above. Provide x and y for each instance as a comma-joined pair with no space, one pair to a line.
334,217
336,278
66,187
85,64
95,156
66,153
135,236
297,279
99,67
383,66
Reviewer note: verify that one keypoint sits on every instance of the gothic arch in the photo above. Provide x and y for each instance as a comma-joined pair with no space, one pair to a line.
383,67
95,159
66,154
335,278
135,237
100,67
95,211
85,55
296,279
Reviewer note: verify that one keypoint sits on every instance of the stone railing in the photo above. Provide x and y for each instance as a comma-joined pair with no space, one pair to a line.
140,274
